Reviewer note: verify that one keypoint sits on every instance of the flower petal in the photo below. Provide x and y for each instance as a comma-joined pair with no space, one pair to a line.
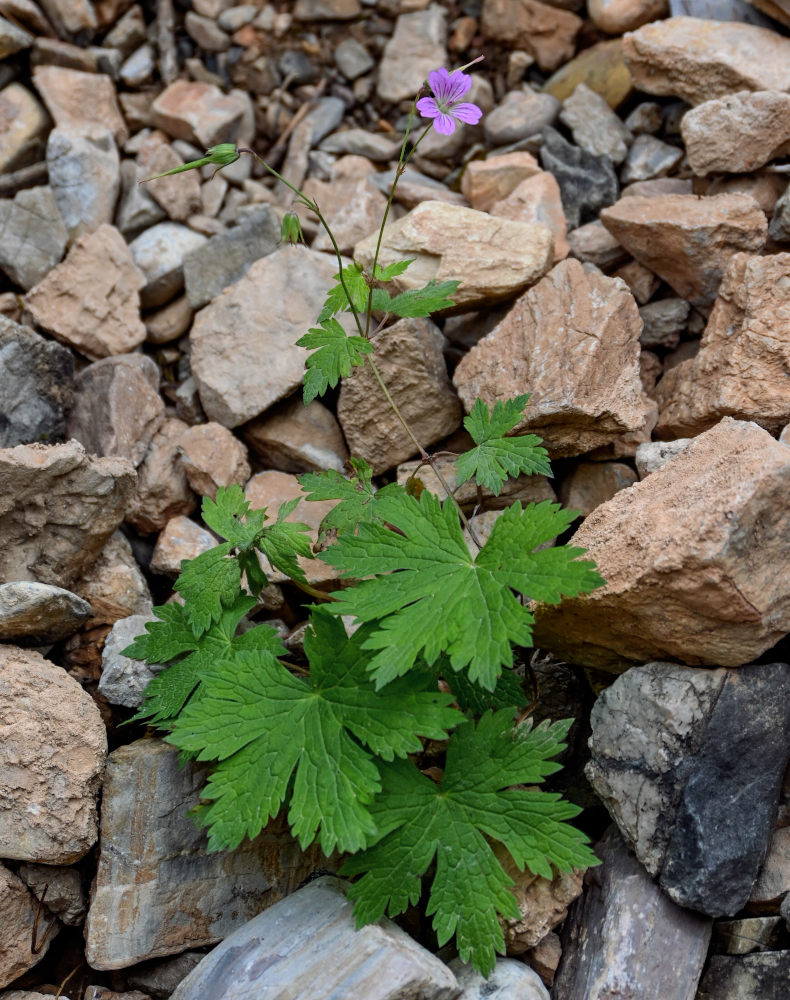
444,124
427,107
458,84
470,114
439,81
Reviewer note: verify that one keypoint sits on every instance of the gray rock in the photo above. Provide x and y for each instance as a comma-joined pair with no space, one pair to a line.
13,38
34,614
159,253
123,680
36,386
649,157
158,891
316,125
227,257
415,187
651,455
352,58
298,438
416,47
161,976
779,227
595,127
306,947
60,888
664,321
645,119
785,910
749,977
520,115
137,210
510,980
139,67
587,183
360,142
740,937
34,237
625,938
84,173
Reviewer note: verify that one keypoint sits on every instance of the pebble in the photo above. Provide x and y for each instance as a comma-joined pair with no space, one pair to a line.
665,321
123,680
595,127
588,183
77,100
648,158
353,59
212,457
546,33
602,67
84,174
520,115
33,614
18,907
615,17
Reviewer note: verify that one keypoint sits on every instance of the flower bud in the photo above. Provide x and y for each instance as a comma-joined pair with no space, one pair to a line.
223,154
291,231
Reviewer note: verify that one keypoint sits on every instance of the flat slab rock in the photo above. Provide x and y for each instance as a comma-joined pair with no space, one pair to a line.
306,948
38,613
705,539
689,763
157,890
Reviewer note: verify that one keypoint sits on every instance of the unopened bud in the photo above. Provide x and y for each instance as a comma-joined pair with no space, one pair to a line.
291,231
223,154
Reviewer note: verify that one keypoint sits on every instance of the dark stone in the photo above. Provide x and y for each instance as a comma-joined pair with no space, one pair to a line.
587,183
36,386
296,66
725,818
764,976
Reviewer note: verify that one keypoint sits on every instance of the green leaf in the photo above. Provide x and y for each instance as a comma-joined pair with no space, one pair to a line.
337,300
335,354
356,495
508,692
283,541
419,821
497,457
269,729
430,596
208,583
231,518
168,637
423,301
392,270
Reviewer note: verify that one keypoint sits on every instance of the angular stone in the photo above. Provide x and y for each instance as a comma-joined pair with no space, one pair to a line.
510,980
158,891
602,67
740,368
350,202
747,977
159,252
588,183
541,30
33,614
63,887
410,358
24,125
640,279
764,186
161,976
244,355
686,240
352,58
527,489
593,483
416,47
737,133
649,158
38,483
117,408
298,438
91,301
326,10
308,938
520,115
595,127
36,386
621,932
76,99
180,539
32,236
739,937
123,679
178,196
162,490
198,112
593,243
773,881
212,457
494,259
18,909
360,142
170,322
686,537
665,321
542,902
225,258
136,210
568,314
698,60
13,38
618,16
206,33
537,200
485,182
779,229
84,173
52,755
653,454
114,584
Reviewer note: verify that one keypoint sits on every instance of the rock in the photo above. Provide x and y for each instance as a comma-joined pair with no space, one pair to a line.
602,67
739,937
594,244
773,881
159,252
416,47
698,60
664,322
352,58
326,10
170,322
91,301
101,993
749,977
649,158
764,186
212,457
658,187
683,528
350,202
543,31
494,259
227,257
737,133
537,200
36,386
37,484
686,240
18,910
543,903
298,438
198,112
595,127
79,100
739,369
33,614
779,228
161,976
84,174
653,454
520,115
158,891
619,934
123,680
34,237
568,314
13,38
593,483
163,490
360,142
177,195
527,489
618,16
485,182
510,980
310,937
244,355
117,408
646,119
206,33
136,209
587,183
61,888
640,279
409,356
113,584
322,119
180,539
24,125
49,782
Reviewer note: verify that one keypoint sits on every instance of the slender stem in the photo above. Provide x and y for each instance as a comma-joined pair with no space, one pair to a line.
312,591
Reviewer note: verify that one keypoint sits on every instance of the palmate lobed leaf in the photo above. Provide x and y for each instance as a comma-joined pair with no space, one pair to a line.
267,728
356,494
418,821
334,355
229,515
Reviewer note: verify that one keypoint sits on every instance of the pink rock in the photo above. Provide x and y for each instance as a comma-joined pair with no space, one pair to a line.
180,539
485,182
18,908
198,112
212,457
114,585
74,98
617,16
541,30
162,491
592,483
537,199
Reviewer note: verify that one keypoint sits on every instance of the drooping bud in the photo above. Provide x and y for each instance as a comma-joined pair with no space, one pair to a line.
220,156
291,231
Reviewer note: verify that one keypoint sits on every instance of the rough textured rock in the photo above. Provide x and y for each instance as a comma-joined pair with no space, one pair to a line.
587,182
594,244
416,47
737,133
543,904
592,483
494,259
520,115
485,182
33,236
159,252
60,888
653,454
740,368
158,891
33,614
739,937
618,16
602,67
123,679
702,538
162,490
546,33
568,314
212,457
76,99
18,913
410,359
621,932
244,353
310,938
698,60
53,747
24,127
649,158
350,202
595,127
688,241
298,438
510,980
537,199
198,112
773,880
746,977
84,172
91,301
113,584
664,322
39,484
181,538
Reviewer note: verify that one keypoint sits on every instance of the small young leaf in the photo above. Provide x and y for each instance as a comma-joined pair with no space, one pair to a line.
337,300
356,495
423,301
230,516
497,457
208,583
392,270
335,354
283,541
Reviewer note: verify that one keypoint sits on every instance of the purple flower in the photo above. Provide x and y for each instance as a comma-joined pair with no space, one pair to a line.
446,106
